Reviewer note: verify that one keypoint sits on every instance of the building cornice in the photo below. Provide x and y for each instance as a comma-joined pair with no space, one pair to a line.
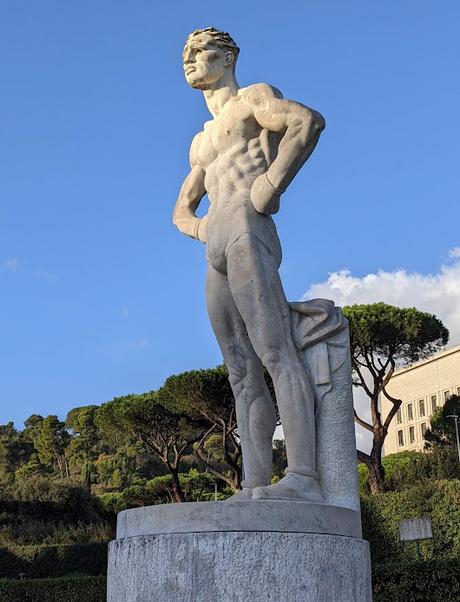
434,358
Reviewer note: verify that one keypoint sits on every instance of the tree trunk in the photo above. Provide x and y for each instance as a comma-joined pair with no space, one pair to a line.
237,478
59,465
232,457
177,489
375,466
234,479
67,470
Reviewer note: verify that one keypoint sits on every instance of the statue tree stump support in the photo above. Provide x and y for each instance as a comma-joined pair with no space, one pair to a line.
298,539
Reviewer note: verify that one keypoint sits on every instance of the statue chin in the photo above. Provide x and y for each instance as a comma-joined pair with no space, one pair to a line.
198,84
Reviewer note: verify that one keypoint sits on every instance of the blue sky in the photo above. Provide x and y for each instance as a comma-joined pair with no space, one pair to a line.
100,295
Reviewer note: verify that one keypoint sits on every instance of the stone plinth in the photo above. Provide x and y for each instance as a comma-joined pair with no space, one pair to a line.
208,552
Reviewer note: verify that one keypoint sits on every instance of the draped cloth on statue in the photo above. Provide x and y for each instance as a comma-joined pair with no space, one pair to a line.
320,333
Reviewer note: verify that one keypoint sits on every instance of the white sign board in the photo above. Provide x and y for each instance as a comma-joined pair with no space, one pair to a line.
415,528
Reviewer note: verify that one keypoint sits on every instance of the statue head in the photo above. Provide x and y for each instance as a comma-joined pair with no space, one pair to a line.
208,55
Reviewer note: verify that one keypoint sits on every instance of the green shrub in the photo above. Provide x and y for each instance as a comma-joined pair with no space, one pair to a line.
111,503
42,532
70,589
36,497
197,486
381,513
408,468
53,561
436,581
433,581
363,480
200,486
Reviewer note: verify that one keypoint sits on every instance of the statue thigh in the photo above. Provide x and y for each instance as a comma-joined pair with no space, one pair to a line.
255,411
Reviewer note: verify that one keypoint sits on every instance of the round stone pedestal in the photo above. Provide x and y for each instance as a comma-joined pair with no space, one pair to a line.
236,565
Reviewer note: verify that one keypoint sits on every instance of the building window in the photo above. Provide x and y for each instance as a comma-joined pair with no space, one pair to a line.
410,411
421,407
433,403
446,395
412,434
423,428
401,438
458,390
399,416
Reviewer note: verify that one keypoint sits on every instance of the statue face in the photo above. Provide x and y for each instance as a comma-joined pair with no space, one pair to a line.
204,63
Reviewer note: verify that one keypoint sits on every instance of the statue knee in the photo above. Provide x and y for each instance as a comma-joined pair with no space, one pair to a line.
236,376
271,360
277,361
245,375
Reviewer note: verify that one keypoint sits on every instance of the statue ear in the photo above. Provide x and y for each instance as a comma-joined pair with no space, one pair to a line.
229,57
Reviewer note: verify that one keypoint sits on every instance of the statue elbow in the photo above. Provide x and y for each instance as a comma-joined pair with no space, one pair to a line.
176,220
313,123
181,221
319,123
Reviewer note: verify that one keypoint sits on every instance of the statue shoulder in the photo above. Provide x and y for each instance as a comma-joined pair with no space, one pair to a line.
259,93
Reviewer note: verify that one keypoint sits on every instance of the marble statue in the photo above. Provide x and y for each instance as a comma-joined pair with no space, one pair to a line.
298,539
244,160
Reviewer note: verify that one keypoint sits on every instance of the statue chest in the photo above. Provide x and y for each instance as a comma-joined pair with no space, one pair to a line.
230,133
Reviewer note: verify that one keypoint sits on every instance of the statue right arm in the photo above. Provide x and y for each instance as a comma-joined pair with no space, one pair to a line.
190,195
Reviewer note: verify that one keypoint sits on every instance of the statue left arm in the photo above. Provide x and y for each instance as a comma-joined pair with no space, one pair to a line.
301,128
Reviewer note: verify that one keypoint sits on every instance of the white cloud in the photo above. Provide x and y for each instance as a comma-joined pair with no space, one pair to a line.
12,264
124,312
437,293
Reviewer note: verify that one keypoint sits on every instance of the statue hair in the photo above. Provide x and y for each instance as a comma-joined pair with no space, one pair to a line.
220,38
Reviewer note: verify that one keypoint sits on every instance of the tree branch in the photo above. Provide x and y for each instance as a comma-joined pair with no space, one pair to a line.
363,423
363,382
370,365
375,413
391,414
362,457
211,469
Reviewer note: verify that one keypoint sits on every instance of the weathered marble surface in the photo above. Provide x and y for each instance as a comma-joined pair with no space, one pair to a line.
321,335
299,539
244,159
239,567
253,515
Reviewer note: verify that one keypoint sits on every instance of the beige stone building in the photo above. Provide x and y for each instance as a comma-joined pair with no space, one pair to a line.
423,387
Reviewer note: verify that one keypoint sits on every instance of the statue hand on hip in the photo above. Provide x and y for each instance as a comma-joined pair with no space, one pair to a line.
265,197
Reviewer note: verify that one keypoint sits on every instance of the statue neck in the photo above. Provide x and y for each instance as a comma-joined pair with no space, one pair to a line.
219,93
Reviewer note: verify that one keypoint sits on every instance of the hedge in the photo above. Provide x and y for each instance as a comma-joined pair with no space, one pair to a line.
53,561
39,497
67,589
433,581
381,513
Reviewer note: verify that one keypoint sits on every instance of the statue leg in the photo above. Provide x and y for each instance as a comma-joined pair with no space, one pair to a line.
256,288
255,411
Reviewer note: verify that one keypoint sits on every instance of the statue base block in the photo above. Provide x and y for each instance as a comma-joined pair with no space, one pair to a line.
235,566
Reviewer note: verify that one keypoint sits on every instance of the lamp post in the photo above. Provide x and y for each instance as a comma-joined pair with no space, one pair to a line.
455,417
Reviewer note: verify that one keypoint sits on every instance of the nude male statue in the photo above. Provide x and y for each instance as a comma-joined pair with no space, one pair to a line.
244,159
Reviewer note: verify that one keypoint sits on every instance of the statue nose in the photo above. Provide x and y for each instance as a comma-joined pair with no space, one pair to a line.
189,57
